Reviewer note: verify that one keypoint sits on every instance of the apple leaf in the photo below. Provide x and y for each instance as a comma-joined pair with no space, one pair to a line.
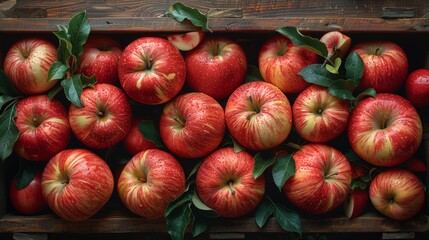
58,70
78,30
6,86
262,162
150,131
65,47
178,220
199,204
369,92
307,42
358,183
264,210
253,74
8,131
88,81
73,89
288,219
342,89
334,69
200,224
5,100
354,68
283,169
183,198
317,74
180,13
25,176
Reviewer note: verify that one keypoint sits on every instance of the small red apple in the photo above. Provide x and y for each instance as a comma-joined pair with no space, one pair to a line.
100,58
186,41
225,183
337,44
134,142
356,202
43,126
280,61
417,88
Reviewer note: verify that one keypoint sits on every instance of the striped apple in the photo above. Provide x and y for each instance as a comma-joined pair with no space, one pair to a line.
225,183
27,63
280,61
385,130
150,181
258,116
322,179
318,116
397,193
76,183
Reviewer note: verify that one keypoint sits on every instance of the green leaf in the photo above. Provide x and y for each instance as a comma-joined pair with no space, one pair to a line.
8,132
184,198
358,183
317,74
6,86
193,172
180,12
200,225
253,74
237,147
5,99
178,220
369,92
342,89
334,69
65,47
73,89
88,81
78,30
307,42
288,219
25,176
54,91
58,70
150,131
202,208
262,162
264,210
354,68
283,169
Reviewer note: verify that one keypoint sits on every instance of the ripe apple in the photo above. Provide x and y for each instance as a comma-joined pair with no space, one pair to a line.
417,88
151,70
192,125
224,182
337,44
415,165
280,61
43,126
385,66
216,67
258,116
150,181
357,199
105,118
322,179
27,63
134,142
100,58
318,116
76,183
385,130
397,194
28,200
186,41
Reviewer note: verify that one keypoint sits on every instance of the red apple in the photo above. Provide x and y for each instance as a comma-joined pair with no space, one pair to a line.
27,63
192,125
216,67
385,66
337,44
105,118
134,142
150,181
76,183
224,182
356,202
280,61
385,130
397,193
151,70
322,179
186,41
43,127
100,58
258,116
415,165
28,200
318,116
417,88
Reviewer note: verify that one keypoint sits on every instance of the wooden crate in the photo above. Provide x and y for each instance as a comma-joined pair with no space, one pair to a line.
249,22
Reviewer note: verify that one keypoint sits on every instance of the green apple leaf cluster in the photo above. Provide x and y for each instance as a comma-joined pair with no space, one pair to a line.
180,12
71,40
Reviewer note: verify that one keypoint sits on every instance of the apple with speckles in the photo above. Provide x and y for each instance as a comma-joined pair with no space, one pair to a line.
186,41
417,88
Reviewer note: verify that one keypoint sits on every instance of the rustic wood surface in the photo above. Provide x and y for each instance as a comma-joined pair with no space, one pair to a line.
232,15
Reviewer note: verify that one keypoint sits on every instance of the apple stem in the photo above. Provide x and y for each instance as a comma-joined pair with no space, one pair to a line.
331,174
179,120
377,51
231,188
384,121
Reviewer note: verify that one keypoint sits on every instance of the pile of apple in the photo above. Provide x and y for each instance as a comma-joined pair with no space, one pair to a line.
192,88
